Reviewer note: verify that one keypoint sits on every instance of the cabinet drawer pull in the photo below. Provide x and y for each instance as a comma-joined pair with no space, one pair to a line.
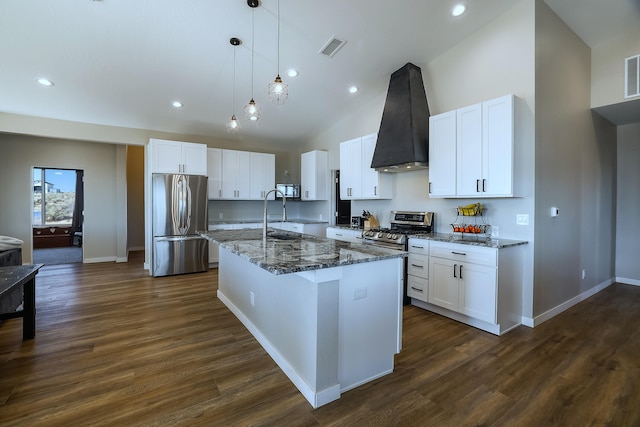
417,289
477,185
460,271
458,253
417,266
484,185
417,247
454,270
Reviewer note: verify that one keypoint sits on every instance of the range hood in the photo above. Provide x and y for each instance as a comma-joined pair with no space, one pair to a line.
403,138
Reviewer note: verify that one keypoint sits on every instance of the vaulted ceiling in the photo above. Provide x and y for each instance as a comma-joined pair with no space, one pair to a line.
123,63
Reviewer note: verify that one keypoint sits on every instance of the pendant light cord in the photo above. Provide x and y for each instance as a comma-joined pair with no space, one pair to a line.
278,40
234,80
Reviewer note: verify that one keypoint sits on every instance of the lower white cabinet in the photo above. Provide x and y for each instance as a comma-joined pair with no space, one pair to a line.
468,284
418,269
313,229
345,234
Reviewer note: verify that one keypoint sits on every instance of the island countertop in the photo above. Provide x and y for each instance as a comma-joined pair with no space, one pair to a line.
286,252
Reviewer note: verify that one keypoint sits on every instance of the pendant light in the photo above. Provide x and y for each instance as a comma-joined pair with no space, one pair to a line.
252,110
278,91
233,125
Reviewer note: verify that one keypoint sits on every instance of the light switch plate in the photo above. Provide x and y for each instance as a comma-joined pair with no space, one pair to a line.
522,219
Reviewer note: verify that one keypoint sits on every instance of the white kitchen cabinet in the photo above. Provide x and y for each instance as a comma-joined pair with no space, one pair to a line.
463,279
345,234
484,150
214,172
314,175
418,269
357,179
236,181
313,229
177,157
442,154
480,286
262,175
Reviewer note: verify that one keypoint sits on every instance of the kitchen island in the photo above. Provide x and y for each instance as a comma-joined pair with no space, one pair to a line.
328,312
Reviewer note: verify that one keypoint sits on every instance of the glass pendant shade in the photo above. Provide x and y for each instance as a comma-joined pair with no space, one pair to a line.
278,91
252,111
233,125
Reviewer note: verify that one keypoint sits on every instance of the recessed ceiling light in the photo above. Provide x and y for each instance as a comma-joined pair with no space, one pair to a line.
44,82
177,104
292,73
458,10
353,89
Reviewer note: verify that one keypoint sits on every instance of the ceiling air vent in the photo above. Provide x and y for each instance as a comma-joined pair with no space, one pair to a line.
331,47
632,76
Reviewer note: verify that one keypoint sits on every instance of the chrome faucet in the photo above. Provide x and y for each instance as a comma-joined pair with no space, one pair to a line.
284,210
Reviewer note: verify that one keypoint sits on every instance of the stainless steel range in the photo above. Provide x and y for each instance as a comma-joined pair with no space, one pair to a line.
403,224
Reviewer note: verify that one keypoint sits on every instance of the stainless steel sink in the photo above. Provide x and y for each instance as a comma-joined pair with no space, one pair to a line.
282,236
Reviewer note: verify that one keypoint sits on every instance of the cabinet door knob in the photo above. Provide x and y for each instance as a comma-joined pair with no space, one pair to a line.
454,270
477,185
460,271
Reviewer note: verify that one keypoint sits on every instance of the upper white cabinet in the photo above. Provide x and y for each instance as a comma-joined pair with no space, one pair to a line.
442,154
240,175
357,179
315,175
476,143
178,157
214,172
236,182
262,175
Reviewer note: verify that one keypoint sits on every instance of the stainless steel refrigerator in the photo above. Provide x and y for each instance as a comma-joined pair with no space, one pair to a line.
179,205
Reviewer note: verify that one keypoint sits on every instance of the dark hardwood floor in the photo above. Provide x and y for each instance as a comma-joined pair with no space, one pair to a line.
116,347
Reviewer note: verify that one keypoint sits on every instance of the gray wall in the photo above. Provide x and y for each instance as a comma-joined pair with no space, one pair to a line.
19,154
627,214
575,171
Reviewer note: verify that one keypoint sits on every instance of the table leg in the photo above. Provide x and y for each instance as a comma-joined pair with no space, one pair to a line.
29,314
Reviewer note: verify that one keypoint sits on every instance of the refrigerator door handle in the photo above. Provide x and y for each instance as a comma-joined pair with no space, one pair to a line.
177,238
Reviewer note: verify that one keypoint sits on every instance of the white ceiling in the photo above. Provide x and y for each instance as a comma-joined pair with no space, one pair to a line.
122,62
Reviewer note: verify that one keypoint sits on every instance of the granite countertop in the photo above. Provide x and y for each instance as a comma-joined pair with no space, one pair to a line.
295,252
259,221
486,242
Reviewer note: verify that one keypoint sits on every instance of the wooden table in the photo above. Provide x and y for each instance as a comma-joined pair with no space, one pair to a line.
11,278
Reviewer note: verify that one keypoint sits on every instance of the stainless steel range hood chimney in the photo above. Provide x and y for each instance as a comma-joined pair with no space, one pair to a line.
403,138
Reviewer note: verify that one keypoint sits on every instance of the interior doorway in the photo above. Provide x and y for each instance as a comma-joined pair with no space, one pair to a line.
57,215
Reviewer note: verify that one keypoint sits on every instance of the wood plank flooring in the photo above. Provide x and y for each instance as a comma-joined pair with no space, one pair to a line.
115,347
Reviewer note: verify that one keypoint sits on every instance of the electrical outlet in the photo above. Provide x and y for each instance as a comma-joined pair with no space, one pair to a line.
495,231
584,273
253,300
220,215
360,293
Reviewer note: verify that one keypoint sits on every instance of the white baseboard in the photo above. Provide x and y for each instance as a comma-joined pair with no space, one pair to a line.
100,259
122,259
626,281
537,320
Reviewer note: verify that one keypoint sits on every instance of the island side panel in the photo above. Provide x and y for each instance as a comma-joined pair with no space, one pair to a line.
370,321
294,319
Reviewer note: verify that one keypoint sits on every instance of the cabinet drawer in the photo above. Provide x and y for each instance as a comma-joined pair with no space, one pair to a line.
419,246
417,287
418,265
464,253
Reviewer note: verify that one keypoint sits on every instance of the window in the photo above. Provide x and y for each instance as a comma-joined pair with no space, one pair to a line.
54,196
